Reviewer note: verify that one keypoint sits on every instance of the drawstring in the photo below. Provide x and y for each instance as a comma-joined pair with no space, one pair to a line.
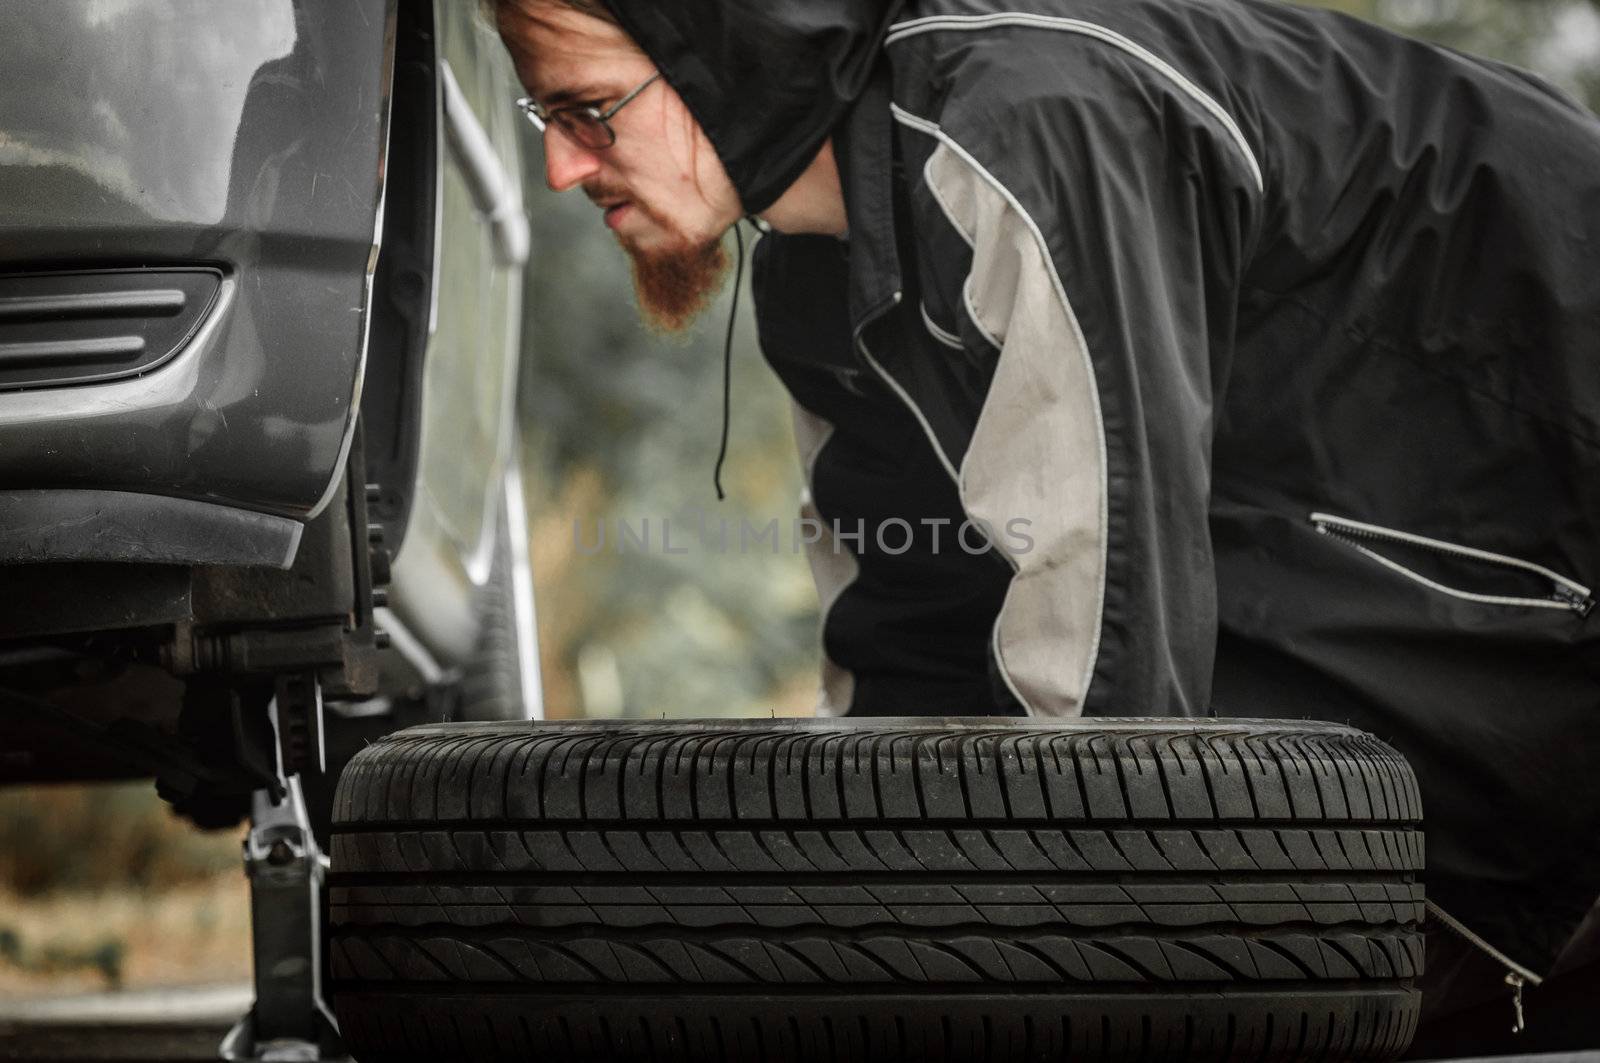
727,364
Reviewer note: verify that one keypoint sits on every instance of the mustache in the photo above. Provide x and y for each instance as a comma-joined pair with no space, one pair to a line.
599,194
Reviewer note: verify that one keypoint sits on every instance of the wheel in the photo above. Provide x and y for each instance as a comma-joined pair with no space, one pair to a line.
885,890
499,681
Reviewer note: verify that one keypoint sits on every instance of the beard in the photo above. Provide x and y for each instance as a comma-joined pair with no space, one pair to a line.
675,283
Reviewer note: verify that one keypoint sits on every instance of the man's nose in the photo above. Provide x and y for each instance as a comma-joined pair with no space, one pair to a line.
567,164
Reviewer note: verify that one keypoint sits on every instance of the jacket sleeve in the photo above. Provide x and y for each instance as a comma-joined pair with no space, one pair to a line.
1106,209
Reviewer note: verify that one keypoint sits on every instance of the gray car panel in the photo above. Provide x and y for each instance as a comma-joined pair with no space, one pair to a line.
248,136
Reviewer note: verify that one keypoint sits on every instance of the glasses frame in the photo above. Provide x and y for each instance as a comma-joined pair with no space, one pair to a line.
568,120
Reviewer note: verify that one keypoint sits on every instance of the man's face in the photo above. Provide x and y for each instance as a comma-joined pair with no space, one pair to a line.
662,187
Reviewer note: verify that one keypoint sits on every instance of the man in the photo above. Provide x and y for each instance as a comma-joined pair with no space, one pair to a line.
1277,335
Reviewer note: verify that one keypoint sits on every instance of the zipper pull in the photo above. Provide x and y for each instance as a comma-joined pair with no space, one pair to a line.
1580,604
1514,980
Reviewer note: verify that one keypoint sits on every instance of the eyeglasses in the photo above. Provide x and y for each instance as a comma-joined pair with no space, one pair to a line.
587,126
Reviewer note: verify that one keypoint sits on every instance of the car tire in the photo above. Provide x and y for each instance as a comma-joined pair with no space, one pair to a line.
499,681
877,890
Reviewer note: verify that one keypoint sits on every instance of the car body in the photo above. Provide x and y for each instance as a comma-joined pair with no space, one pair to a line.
260,326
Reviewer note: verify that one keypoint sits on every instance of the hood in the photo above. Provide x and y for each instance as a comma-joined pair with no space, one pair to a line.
766,79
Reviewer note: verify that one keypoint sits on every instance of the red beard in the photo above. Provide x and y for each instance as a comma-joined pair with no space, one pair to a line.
674,286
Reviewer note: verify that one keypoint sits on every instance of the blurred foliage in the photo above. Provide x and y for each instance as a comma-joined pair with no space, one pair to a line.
624,425
74,941
102,886
106,958
86,838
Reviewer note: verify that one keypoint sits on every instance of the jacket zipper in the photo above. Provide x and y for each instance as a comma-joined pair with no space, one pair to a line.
1517,976
1564,593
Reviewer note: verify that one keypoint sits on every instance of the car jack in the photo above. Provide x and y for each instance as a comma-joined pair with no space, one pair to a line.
289,1020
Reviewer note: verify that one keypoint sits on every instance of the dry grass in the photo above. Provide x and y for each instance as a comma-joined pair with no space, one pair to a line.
101,887
192,934
91,838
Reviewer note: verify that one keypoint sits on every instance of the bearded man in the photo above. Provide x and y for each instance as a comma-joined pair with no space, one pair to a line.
1280,333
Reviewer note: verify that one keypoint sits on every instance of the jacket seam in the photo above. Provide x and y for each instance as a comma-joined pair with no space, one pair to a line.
934,130
950,216
916,411
972,314
944,205
934,23
938,331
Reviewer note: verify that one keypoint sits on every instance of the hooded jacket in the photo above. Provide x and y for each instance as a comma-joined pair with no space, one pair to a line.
1265,345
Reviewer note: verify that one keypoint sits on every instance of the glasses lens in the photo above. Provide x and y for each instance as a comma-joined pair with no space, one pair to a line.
585,127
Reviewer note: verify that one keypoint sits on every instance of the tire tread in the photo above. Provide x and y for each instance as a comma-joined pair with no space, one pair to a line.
889,891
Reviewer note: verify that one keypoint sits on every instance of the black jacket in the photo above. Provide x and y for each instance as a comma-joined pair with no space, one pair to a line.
1265,342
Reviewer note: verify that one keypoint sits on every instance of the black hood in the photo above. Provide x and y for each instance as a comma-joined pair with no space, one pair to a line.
768,81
